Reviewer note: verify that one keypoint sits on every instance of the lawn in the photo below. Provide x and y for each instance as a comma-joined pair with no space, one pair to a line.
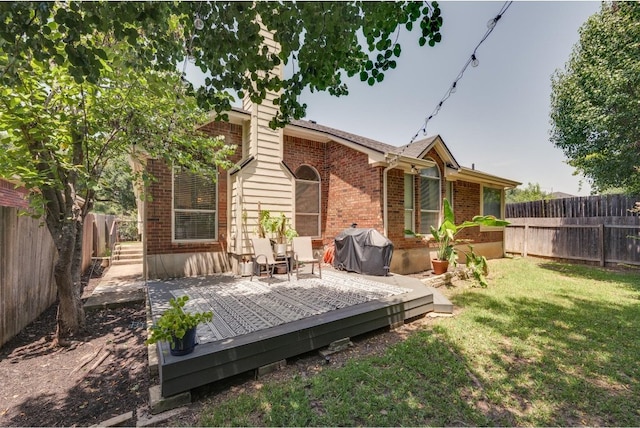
545,344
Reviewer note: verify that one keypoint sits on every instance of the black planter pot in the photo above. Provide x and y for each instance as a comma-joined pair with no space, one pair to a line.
185,345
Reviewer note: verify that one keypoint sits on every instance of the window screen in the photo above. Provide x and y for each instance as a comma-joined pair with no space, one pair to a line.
408,202
307,201
429,198
194,207
491,202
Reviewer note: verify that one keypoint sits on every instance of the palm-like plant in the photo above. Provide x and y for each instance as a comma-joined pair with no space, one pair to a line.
445,234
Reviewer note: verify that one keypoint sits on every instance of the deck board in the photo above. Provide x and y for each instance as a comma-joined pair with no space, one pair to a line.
278,319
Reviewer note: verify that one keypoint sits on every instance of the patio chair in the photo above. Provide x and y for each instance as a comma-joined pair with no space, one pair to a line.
263,256
303,253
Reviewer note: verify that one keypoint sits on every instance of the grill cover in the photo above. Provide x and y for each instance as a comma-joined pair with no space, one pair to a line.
365,251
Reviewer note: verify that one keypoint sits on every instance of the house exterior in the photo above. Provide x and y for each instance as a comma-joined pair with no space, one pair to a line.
324,180
13,195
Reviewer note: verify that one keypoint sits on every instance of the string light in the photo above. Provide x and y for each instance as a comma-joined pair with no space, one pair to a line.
198,23
472,60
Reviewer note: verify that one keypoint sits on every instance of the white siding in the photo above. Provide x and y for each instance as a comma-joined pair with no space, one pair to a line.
265,180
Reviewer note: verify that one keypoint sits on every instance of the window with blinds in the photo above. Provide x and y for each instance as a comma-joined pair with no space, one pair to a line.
429,198
194,207
307,201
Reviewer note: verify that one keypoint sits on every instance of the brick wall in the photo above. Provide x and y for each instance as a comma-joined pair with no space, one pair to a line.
466,205
159,208
12,197
355,191
350,187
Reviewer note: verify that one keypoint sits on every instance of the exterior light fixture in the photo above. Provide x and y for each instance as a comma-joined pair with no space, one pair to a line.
198,23
474,61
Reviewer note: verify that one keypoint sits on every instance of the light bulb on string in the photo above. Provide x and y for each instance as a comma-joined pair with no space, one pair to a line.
473,61
198,23
492,22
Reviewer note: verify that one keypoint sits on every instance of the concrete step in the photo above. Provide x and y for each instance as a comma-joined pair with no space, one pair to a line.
127,257
126,262
128,250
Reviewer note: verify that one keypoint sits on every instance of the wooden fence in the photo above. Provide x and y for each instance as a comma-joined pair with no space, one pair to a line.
577,207
596,229
27,285
27,258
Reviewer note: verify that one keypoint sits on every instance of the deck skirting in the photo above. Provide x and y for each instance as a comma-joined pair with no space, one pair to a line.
220,359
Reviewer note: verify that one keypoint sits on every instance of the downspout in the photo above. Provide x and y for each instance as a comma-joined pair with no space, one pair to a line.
385,208
145,260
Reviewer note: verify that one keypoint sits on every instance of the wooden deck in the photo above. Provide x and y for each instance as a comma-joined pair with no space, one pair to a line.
266,320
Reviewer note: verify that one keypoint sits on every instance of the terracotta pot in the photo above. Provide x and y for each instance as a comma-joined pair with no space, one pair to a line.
439,266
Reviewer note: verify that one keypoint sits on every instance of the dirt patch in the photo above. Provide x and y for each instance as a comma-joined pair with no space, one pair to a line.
105,373
100,375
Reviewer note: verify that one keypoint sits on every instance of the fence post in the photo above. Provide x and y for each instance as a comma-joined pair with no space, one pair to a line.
602,252
524,245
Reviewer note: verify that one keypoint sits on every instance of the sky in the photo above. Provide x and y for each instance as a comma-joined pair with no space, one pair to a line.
498,118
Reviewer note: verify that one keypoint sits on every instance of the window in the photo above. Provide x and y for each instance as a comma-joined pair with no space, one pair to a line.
429,198
492,201
448,192
307,201
408,203
194,207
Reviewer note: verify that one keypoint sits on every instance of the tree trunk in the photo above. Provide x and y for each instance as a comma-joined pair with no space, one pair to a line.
71,319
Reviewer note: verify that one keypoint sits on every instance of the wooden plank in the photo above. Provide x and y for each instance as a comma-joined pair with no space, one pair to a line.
214,361
27,286
602,245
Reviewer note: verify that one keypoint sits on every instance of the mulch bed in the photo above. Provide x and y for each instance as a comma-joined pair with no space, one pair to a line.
100,375
105,373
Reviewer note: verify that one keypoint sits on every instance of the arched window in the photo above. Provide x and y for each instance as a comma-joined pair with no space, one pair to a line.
429,198
307,201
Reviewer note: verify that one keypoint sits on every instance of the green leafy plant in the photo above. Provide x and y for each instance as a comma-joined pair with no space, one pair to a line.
445,235
478,267
277,226
175,322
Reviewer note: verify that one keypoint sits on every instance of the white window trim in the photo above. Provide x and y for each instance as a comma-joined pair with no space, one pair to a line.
319,214
174,210
502,208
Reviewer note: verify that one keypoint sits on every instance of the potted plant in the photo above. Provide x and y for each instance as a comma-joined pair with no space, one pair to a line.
279,228
246,266
445,236
178,327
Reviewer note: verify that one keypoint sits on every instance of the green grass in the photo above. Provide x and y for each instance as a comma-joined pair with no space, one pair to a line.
546,344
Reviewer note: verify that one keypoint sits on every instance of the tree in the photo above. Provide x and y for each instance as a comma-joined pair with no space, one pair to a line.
223,39
532,192
84,82
114,193
594,102
59,135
